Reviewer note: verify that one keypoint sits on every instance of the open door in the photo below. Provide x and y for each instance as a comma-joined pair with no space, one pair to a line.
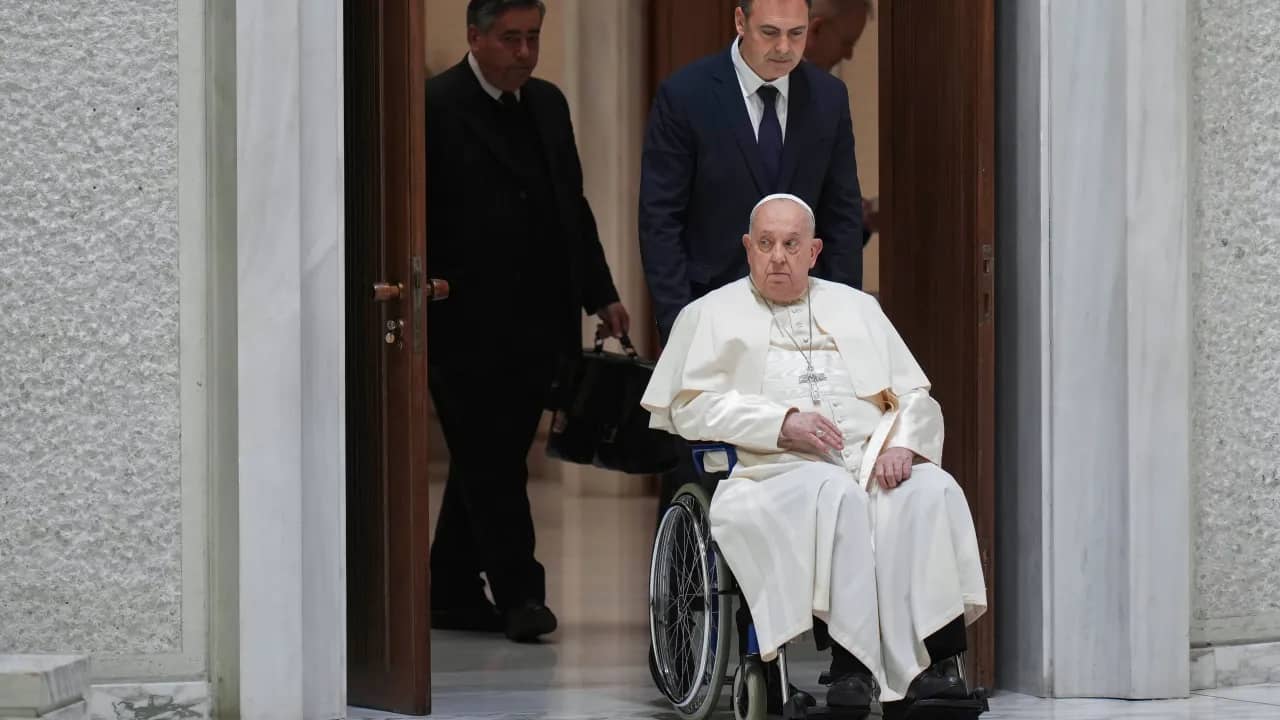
681,32
937,200
388,618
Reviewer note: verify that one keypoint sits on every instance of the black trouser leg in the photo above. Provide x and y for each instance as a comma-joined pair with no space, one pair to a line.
844,663
489,417
672,480
947,642
455,558
821,635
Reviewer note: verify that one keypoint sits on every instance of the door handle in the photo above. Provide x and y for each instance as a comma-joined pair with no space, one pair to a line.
386,292
432,290
437,289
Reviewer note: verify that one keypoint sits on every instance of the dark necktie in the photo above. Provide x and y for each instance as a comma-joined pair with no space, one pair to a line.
769,138
509,101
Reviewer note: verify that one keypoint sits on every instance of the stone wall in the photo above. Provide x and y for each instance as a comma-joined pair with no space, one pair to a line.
90,495
1236,314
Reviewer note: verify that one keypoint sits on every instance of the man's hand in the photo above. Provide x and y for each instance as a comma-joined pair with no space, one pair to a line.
616,320
810,432
871,214
893,467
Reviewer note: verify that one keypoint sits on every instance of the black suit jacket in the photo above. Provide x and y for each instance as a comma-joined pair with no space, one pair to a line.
477,217
701,175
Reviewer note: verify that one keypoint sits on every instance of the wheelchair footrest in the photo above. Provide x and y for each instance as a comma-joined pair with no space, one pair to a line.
949,708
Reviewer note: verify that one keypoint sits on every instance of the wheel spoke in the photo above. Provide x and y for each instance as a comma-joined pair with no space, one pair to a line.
684,609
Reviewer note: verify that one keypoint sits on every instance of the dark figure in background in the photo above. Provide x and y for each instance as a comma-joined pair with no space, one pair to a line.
510,229
835,26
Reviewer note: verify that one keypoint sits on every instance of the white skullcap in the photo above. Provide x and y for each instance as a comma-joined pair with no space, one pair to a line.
784,196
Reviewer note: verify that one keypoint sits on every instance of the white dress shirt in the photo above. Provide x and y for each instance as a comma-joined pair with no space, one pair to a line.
750,82
489,87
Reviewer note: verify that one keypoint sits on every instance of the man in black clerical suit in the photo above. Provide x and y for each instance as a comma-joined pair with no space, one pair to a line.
509,228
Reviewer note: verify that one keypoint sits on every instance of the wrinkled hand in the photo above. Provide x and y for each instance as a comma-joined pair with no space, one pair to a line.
616,320
810,432
871,214
893,467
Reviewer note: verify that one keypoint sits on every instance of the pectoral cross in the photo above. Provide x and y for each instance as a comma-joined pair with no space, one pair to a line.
813,378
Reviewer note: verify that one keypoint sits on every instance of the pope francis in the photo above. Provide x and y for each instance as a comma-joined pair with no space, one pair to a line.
837,508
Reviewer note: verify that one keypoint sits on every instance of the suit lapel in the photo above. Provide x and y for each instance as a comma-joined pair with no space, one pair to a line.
729,94
798,110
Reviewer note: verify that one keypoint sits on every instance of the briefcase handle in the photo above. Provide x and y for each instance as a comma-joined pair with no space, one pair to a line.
627,347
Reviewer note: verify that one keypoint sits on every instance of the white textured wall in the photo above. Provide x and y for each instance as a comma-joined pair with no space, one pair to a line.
1236,296
90,503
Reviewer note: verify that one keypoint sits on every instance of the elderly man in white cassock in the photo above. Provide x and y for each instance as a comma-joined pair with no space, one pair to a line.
837,508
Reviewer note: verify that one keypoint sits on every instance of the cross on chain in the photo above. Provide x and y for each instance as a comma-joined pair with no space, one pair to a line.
813,378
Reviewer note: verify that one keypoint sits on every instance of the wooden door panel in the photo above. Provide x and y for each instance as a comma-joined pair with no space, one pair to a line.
387,510
681,32
937,105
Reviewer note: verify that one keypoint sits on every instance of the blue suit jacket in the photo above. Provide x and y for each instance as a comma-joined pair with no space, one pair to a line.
701,174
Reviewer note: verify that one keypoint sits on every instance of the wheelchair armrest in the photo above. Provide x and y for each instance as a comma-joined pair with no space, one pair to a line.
700,450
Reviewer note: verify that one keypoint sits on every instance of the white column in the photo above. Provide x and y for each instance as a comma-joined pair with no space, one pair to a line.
1095,551
323,370
268,231
1160,349
289,171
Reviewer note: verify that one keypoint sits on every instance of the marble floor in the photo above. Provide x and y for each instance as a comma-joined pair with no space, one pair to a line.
594,666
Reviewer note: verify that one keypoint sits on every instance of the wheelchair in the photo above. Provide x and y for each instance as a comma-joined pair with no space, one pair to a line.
692,623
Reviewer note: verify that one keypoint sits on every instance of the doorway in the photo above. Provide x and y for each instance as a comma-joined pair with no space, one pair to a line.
934,273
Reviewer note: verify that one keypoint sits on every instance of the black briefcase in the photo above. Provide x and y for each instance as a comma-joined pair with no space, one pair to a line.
597,419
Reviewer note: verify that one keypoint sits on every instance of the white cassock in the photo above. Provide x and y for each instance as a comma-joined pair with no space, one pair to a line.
807,535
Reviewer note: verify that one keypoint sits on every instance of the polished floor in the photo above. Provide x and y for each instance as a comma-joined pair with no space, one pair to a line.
594,667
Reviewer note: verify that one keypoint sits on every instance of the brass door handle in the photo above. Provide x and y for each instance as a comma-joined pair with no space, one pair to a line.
386,292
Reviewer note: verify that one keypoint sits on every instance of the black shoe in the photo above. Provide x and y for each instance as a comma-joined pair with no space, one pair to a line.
471,618
528,621
939,681
853,692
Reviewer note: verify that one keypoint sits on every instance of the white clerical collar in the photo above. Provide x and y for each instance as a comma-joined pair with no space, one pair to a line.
771,303
490,89
748,80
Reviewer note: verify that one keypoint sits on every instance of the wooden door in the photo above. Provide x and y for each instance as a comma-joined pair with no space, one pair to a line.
937,199
388,618
681,32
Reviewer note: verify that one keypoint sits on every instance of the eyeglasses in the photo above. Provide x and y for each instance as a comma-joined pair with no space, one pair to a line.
766,245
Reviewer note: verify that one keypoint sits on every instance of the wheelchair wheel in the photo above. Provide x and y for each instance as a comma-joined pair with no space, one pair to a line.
749,688
690,608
